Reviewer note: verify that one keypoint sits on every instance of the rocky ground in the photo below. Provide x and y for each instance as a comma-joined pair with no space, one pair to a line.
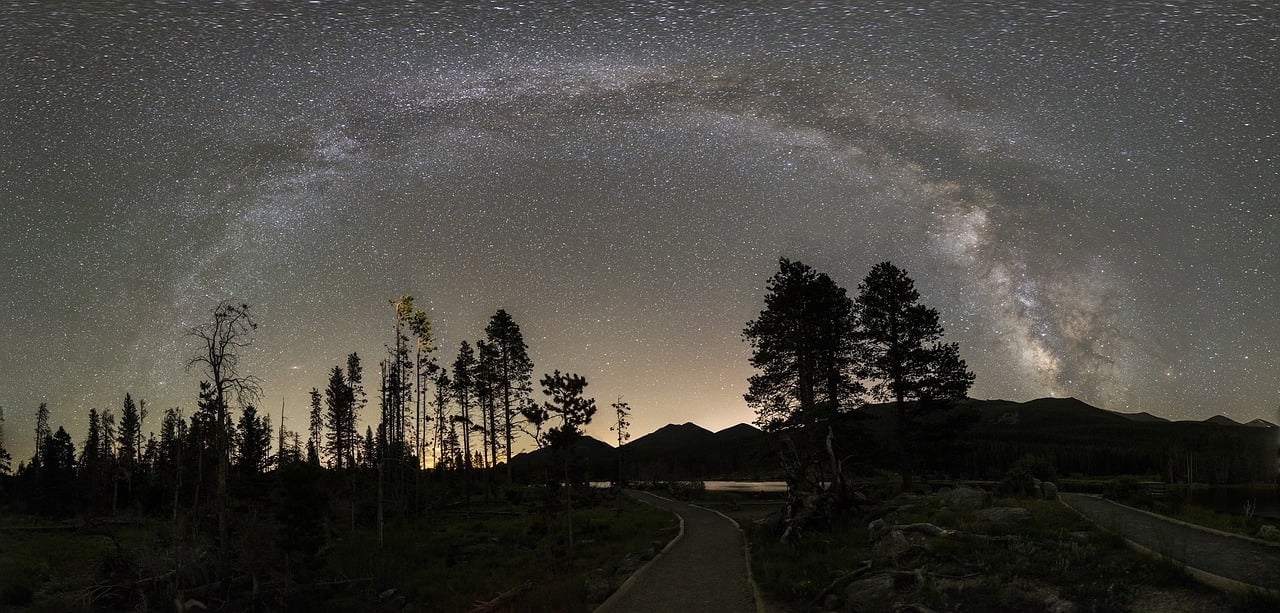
963,549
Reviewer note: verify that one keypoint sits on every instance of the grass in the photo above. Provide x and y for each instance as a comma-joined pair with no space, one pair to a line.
57,559
1056,554
448,562
467,559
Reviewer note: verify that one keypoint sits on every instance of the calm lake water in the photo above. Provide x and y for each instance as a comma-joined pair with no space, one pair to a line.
746,486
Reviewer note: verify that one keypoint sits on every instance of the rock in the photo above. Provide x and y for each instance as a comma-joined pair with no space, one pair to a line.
1081,536
388,594
891,545
597,585
832,602
1049,490
964,497
877,529
1269,533
870,594
1003,519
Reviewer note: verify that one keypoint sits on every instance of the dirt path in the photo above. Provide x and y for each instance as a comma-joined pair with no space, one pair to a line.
705,570
1221,555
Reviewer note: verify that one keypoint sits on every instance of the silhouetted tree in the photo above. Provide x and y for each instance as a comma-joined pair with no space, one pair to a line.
339,416
575,411
464,392
253,442
441,406
173,437
424,344
315,427
91,464
129,439
222,339
621,421
902,354
803,347
535,419
513,374
486,388
6,459
355,380
42,436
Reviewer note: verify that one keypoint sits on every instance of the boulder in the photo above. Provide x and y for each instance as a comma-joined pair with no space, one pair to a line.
870,594
1003,519
877,529
1048,490
1269,533
964,497
891,545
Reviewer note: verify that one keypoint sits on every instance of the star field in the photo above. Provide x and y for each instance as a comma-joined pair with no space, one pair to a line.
1087,194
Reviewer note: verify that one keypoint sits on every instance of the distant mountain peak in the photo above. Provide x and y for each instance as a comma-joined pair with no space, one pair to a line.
1260,423
1222,420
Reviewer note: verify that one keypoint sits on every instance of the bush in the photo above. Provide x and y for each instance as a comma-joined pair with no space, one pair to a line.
1038,467
1128,491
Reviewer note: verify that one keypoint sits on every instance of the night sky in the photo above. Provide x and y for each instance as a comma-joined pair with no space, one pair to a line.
1087,194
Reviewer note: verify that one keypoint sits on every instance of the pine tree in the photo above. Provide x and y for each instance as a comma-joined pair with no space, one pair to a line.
339,416
42,435
568,404
253,442
129,436
903,356
464,392
315,427
486,388
621,422
6,460
513,375
803,347
443,455
90,458
355,381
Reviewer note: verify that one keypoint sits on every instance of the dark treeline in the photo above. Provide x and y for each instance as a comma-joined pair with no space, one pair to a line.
391,443
462,422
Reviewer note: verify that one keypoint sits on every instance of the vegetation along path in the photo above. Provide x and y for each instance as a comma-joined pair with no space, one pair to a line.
1234,558
704,570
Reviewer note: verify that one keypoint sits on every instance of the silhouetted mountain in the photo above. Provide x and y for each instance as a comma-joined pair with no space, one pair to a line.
1144,417
738,432
1077,438
689,451
671,438
594,460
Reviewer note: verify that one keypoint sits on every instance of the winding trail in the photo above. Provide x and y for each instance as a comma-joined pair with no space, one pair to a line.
1217,558
704,569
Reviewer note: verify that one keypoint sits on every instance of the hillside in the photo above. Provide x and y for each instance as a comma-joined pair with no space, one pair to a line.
1076,437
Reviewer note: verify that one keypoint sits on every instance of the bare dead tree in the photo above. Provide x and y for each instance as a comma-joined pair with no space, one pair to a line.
223,339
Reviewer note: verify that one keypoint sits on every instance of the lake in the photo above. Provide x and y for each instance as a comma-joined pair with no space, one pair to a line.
770,487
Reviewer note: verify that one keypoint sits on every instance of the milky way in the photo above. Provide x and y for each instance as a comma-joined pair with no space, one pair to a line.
1087,195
